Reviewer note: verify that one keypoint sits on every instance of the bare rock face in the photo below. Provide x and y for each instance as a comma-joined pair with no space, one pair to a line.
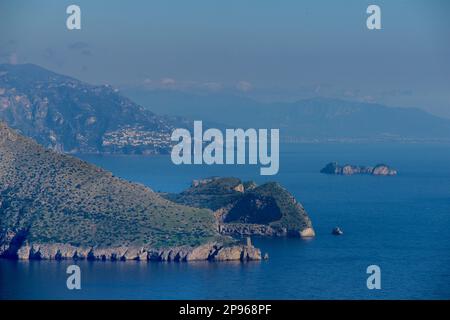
56,251
202,252
210,251
231,253
243,253
383,170
307,233
251,253
38,251
133,253
24,252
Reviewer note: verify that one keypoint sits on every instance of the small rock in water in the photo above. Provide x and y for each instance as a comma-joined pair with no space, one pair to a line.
337,231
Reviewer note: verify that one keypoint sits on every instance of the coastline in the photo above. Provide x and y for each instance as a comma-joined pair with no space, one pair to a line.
211,251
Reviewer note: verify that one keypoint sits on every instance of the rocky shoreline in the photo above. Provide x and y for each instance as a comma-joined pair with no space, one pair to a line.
207,252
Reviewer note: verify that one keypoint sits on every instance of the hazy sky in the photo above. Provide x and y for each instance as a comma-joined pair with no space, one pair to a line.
272,50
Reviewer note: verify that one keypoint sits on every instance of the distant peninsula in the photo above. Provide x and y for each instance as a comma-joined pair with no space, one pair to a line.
71,116
348,169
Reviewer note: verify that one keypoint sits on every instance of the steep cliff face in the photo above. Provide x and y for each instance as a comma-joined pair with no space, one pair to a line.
213,251
72,116
54,206
243,208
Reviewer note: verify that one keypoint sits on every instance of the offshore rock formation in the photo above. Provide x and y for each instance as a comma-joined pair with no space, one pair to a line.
243,208
378,170
55,206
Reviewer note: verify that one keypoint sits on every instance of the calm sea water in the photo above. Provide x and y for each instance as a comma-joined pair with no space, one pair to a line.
401,224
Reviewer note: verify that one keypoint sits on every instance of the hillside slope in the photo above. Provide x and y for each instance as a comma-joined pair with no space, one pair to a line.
243,208
54,205
72,116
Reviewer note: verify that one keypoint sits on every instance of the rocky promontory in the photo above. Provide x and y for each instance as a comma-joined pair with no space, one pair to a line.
348,169
55,206
244,208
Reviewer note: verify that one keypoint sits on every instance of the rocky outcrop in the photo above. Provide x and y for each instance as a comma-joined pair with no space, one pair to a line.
337,231
243,253
383,170
243,208
203,252
307,233
347,170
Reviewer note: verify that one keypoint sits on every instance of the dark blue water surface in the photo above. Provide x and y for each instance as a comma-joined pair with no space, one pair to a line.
400,223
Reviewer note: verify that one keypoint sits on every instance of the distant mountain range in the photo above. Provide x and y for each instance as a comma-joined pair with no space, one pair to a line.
317,119
69,115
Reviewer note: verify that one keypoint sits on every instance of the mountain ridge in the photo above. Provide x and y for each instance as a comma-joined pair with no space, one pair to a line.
309,120
69,115
72,116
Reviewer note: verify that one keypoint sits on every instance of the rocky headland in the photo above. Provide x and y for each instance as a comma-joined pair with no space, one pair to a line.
348,169
244,208
55,206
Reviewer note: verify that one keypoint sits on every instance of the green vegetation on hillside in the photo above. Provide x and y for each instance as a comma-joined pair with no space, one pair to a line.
54,198
237,202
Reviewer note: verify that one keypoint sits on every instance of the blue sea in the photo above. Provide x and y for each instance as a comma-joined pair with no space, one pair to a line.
401,224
